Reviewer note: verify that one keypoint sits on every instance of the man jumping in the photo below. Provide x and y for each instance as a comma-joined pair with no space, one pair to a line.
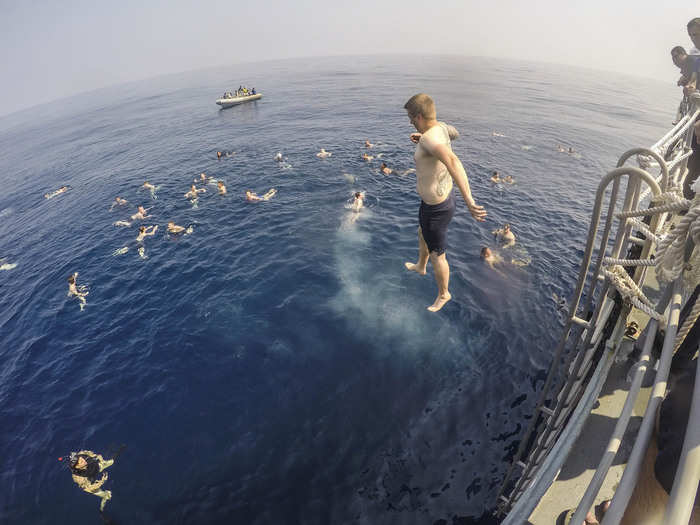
436,169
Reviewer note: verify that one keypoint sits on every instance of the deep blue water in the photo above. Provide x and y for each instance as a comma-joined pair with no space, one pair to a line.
278,365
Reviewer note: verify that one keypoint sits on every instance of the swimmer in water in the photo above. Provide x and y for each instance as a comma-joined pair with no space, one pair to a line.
221,187
192,194
218,154
118,201
491,258
495,178
561,148
368,144
146,232
505,235
150,187
174,228
367,157
122,223
571,151
497,134
140,214
73,289
508,179
202,178
253,197
323,154
52,194
7,266
358,202
386,170
85,468
279,157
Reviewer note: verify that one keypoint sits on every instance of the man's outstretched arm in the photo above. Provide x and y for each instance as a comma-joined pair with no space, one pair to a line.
459,175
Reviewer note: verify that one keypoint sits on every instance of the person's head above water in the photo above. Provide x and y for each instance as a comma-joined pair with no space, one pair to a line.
76,462
485,252
218,154
170,224
694,31
142,229
506,227
358,195
71,279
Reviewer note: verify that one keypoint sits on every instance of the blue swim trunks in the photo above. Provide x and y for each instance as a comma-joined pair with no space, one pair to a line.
433,220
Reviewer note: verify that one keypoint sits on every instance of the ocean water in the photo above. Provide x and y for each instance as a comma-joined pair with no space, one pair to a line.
278,364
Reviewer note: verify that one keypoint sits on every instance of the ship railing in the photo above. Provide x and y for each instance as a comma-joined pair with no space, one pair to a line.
580,364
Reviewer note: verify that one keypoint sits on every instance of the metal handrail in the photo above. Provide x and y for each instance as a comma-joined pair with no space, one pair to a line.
551,423
636,175
631,474
620,428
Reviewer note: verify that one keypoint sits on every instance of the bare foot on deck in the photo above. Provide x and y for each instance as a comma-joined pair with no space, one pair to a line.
414,268
440,302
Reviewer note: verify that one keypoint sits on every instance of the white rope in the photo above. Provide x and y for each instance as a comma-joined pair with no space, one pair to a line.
629,290
671,250
640,226
629,262
687,325
679,206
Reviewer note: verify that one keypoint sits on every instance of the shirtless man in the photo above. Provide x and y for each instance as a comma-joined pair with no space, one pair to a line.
368,144
218,154
437,169
73,290
508,179
358,202
367,157
192,194
323,154
202,178
253,197
279,157
495,178
505,235
386,170
174,228
146,232
140,214
221,187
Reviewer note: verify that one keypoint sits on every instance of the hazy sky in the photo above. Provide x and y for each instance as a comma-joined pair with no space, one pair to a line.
49,50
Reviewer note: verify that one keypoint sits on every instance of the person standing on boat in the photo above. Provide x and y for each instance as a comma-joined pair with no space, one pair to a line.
689,66
437,168
694,34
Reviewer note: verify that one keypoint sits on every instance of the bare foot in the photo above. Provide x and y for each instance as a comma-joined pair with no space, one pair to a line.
414,268
440,302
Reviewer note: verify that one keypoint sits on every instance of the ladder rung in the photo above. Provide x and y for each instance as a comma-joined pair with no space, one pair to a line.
580,322
546,410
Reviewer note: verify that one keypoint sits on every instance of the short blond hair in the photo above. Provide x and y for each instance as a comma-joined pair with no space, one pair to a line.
421,104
